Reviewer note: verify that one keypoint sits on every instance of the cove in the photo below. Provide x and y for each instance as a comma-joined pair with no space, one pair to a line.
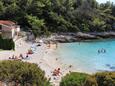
91,56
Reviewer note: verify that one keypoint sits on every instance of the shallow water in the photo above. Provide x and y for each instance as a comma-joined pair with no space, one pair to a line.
91,56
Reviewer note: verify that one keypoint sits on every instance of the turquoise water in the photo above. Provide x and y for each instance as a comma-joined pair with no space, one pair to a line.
85,55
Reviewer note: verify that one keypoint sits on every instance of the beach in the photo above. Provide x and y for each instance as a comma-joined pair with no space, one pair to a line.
67,57
44,56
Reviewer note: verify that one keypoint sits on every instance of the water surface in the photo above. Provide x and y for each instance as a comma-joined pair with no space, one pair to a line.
91,56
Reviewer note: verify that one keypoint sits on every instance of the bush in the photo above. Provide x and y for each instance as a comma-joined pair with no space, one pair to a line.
105,78
22,73
81,79
90,81
74,79
6,44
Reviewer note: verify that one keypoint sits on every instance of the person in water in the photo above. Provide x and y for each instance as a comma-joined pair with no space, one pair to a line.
98,51
102,51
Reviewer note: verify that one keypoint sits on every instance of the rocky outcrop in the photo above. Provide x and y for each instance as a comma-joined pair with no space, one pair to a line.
85,36
73,37
104,34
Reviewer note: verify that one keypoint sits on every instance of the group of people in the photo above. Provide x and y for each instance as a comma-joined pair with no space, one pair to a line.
25,56
56,72
52,44
20,57
102,51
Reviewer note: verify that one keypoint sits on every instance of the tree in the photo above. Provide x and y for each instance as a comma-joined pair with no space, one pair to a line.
59,15
113,10
97,24
36,24
1,8
92,3
22,73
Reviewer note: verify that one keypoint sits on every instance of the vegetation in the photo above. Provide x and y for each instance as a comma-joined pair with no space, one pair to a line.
6,44
105,79
22,73
81,79
44,16
74,79
18,73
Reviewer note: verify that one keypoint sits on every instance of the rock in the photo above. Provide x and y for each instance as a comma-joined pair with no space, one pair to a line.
105,34
73,37
85,35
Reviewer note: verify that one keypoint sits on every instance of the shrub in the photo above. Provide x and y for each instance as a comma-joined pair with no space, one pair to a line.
22,73
81,79
105,78
74,79
90,81
6,44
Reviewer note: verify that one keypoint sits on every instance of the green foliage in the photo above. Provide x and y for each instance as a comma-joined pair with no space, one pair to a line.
105,79
81,79
1,8
6,44
90,81
36,24
34,21
74,79
59,15
22,73
85,27
98,24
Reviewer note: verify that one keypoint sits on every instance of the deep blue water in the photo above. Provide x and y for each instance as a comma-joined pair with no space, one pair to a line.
91,56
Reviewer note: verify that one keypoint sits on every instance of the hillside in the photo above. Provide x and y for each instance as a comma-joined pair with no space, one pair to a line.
47,16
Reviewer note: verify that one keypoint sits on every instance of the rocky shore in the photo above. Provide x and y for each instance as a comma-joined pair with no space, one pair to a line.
74,37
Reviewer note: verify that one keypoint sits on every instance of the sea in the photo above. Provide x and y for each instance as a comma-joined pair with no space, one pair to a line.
89,56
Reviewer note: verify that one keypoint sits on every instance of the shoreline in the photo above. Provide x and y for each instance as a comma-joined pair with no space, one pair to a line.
43,56
80,36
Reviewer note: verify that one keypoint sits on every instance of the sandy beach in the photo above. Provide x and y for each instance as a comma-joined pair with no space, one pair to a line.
43,56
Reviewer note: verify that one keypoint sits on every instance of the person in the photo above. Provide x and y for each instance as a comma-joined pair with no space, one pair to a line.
27,55
56,72
56,59
49,78
16,58
98,51
13,56
10,58
104,51
21,56
70,66
30,51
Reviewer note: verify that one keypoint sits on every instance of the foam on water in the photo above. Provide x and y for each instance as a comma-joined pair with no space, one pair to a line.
85,55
